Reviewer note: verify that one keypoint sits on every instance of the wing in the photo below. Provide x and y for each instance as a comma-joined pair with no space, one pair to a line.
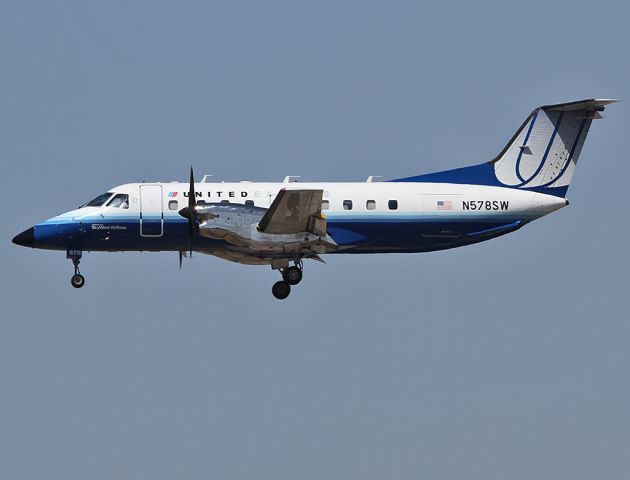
294,211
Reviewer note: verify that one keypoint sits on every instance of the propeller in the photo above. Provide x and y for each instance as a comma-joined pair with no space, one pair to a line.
190,212
182,254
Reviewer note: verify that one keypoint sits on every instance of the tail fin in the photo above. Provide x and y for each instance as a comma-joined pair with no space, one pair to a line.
541,156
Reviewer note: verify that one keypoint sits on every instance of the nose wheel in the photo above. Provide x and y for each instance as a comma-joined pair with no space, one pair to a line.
77,280
291,276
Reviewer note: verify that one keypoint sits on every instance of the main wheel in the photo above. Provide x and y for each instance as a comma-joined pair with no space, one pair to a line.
292,275
77,281
281,290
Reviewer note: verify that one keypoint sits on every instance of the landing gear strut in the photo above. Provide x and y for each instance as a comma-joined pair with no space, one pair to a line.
77,280
290,276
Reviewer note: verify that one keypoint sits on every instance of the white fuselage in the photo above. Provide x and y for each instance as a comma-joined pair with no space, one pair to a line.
361,217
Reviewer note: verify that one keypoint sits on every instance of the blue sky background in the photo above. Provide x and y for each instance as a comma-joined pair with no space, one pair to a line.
507,359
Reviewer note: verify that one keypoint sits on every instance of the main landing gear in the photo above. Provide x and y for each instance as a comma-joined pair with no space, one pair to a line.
290,276
77,280
281,289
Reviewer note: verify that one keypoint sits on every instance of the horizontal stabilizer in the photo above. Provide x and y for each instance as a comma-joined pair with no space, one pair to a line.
593,104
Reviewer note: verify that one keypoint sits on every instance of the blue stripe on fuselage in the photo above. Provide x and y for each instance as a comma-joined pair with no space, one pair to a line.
365,232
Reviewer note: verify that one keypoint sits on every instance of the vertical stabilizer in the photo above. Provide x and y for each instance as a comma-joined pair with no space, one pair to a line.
541,156
544,152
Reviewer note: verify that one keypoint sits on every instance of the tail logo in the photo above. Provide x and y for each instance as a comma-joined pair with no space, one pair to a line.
545,153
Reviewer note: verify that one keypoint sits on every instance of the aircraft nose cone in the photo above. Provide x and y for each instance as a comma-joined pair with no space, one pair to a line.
26,238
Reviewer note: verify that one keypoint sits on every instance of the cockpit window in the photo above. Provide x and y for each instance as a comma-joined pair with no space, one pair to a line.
98,201
121,200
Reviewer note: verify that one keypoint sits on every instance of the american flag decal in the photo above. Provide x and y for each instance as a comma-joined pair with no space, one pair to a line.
444,205
172,194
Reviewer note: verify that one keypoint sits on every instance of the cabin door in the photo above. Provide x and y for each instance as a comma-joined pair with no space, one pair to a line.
151,213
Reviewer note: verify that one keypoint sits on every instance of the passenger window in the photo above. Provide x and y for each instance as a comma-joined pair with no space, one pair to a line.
325,204
249,203
347,204
393,204
172,205
119,201
370,204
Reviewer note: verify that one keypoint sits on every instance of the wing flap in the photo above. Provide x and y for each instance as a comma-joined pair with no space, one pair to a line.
294,211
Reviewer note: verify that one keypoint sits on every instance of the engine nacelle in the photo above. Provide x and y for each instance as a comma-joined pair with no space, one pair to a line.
238,224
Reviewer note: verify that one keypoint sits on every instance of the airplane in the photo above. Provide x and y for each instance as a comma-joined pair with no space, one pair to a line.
283,224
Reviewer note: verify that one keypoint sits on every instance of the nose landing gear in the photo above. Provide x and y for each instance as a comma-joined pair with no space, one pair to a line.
77,280
290,276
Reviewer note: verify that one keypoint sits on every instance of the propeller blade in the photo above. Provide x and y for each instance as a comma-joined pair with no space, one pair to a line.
181,255
192,202
191,190
190,211
191,233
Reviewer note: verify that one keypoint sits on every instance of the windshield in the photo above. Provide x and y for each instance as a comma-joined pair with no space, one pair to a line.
98,201
119,201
